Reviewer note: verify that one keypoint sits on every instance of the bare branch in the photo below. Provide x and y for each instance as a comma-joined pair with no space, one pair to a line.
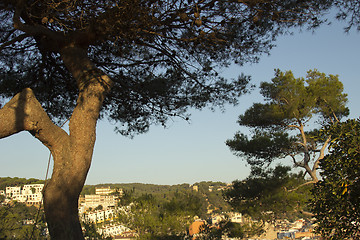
296,163
302,185
322,153
24,113
294,126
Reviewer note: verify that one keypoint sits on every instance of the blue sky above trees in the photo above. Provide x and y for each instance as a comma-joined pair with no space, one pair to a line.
195,151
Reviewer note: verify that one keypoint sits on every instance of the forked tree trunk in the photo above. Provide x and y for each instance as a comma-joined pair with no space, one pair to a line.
72,153
74,160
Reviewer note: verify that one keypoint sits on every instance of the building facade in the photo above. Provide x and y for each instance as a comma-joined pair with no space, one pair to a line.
30,194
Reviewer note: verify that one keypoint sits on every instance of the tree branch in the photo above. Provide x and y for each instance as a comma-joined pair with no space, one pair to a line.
294,126
53,38
296,163
302,185
322,153
14,40
93,85
24,113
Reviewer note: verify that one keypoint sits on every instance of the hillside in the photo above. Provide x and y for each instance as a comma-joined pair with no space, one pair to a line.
209,193
12,182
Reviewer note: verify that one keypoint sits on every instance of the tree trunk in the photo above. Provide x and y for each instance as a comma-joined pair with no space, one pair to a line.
72,163
72,153
61,196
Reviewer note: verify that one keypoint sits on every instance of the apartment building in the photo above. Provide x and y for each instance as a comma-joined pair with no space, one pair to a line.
30,194
103,190
99,216
93,201
103,196
32,189
11,192
115,230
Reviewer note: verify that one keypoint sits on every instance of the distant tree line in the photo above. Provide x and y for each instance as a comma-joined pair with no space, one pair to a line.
15,181
168,192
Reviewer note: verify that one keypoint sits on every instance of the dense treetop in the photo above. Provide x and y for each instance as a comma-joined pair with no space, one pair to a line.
286,124
336,196
265,195
162,56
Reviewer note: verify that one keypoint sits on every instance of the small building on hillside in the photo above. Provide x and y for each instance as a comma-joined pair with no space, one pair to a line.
114,230
99,216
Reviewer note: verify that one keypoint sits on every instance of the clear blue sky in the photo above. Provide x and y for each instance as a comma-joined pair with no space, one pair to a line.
189,153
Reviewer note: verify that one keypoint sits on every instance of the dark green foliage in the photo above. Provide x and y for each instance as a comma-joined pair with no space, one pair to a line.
336,201
261,148
349,9
164,211
138,188
11,182
162,55
12,224
265,195
155,218
184,202
278,124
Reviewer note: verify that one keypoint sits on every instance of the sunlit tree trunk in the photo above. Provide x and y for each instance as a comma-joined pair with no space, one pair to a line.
72,152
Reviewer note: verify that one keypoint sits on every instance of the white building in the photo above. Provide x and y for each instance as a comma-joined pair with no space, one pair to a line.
111,231
33,193
93,200
99,216
32,189
30,194
103,190
236,217
12,191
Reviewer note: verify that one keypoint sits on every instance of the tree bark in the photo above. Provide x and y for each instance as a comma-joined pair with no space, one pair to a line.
72,153
72,165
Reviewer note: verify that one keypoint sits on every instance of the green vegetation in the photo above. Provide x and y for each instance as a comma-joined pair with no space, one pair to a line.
164,211
156,218
168,192
136,62
13,224
156,211
224,228
279,124
336,202
90,232
291,105
265,196
11,182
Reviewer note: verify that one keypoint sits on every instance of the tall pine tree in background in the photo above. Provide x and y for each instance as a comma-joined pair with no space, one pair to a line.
284,126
